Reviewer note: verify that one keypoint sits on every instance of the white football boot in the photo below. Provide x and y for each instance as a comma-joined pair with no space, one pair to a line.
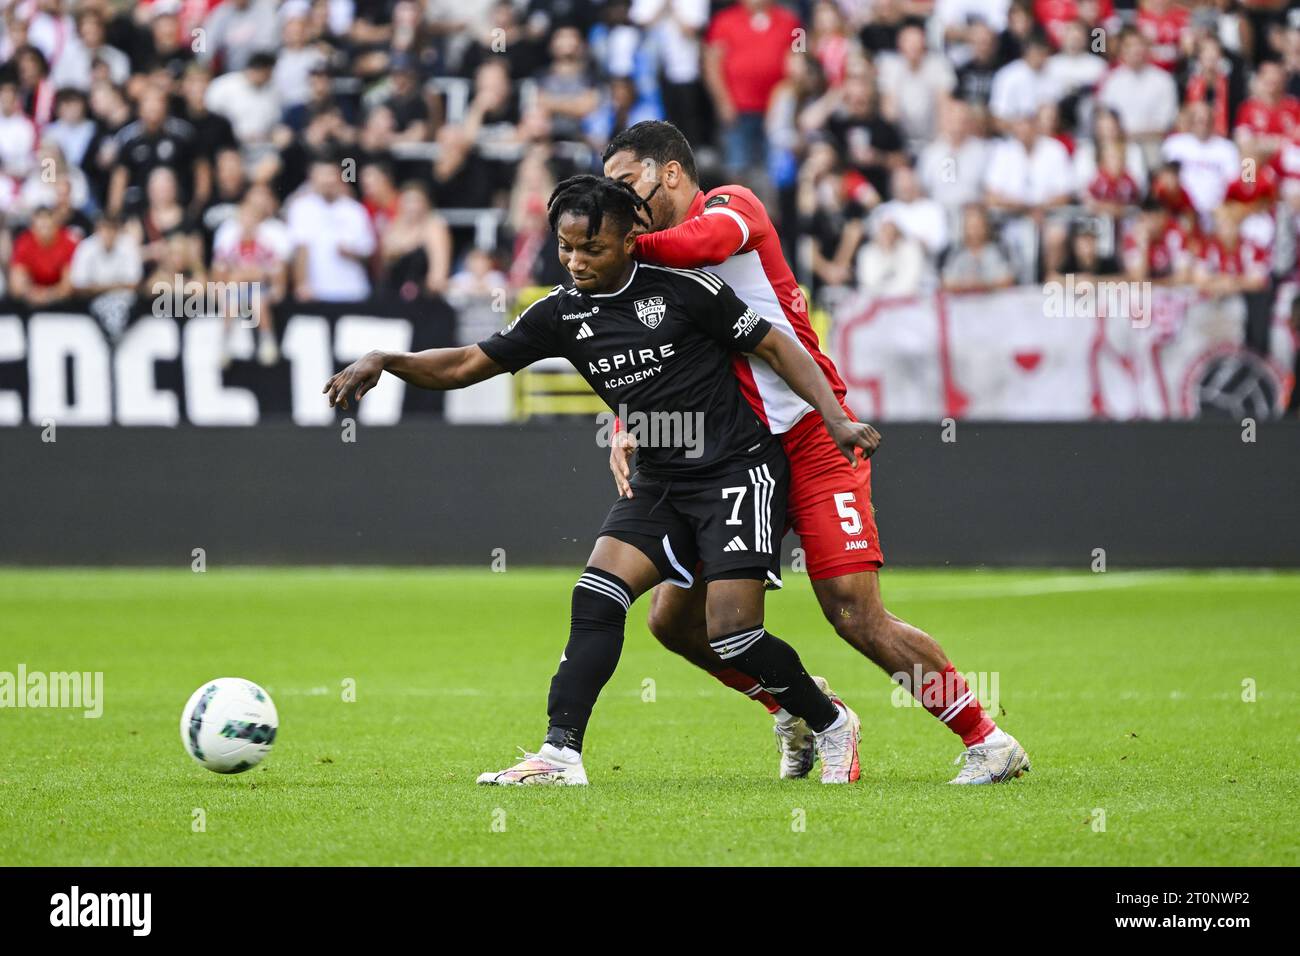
548,766
794,741
837,747
996,758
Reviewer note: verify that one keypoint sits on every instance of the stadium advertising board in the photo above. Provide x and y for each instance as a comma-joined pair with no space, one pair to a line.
62,366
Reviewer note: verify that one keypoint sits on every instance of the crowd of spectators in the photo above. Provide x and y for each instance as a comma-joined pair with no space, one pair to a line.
338,149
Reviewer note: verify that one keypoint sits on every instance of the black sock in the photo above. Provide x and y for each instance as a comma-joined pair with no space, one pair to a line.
600,603
777,668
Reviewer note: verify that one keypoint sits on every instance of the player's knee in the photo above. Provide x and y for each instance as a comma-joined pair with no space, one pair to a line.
723,624
600,600
859,624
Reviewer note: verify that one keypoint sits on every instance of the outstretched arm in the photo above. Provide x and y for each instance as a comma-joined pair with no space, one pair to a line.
798,370
437,369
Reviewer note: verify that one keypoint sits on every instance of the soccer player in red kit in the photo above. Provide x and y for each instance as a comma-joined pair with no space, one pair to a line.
727,232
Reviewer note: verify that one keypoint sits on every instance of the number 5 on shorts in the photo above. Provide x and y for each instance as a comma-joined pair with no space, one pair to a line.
852,523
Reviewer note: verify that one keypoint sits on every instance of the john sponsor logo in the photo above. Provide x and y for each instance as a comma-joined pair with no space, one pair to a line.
78,690
655,429
745,323
75,908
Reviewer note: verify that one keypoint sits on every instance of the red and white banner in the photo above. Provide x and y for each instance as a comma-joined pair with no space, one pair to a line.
1017,355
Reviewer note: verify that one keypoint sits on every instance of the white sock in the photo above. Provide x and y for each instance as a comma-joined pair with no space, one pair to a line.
839,721
784,717
561,754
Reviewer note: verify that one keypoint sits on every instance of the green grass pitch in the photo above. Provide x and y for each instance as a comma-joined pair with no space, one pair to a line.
1126,688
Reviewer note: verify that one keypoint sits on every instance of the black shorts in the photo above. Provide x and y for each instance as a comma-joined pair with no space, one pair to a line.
716,527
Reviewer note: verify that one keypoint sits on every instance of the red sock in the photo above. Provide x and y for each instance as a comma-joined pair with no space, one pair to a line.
747,686
947,697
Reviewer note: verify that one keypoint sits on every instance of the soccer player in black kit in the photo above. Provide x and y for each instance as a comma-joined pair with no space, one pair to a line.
655,340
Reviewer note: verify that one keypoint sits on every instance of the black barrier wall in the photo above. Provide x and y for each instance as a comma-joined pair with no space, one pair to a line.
1149,494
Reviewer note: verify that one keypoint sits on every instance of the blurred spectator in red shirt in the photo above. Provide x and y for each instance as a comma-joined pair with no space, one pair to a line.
1163,23
1112,191
1054,15
40,270
1228,263
1270,117
1214,78
744,61
831,42
1155,248
1167,188
1106,129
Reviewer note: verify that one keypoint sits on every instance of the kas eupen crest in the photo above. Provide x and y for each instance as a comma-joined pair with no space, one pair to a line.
651,311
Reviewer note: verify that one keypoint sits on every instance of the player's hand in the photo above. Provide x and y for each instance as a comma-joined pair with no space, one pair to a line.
355,380
621,447
850,435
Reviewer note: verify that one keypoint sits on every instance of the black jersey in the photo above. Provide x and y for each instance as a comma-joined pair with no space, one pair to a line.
657,351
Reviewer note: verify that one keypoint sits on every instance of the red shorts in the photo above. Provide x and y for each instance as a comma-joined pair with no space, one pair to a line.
829,506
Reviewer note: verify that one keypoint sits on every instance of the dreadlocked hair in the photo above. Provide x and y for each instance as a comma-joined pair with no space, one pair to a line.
596,197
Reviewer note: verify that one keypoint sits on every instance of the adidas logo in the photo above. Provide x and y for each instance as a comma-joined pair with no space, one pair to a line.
735,544
584,331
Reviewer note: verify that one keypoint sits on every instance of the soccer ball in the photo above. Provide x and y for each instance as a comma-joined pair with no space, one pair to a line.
229,725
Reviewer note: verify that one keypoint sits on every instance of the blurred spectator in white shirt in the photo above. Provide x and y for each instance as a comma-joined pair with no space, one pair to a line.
951,168
1075,68
1208,164
17,132
251,253
957,17
77,65
296,59
52,31
51,169
248,99
477,291
1028,173
108,260
913,82
332,238
917,216
1023,85
1144,96
977,264
236,30
891,265
72,129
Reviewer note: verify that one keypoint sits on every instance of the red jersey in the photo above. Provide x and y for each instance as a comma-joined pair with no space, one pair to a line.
1201,88
1174,198
1256,116
1287,159
728,232
1263,188
754,47
1246,259
1055,14
1166,253
1119,189
1164,31
45,264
